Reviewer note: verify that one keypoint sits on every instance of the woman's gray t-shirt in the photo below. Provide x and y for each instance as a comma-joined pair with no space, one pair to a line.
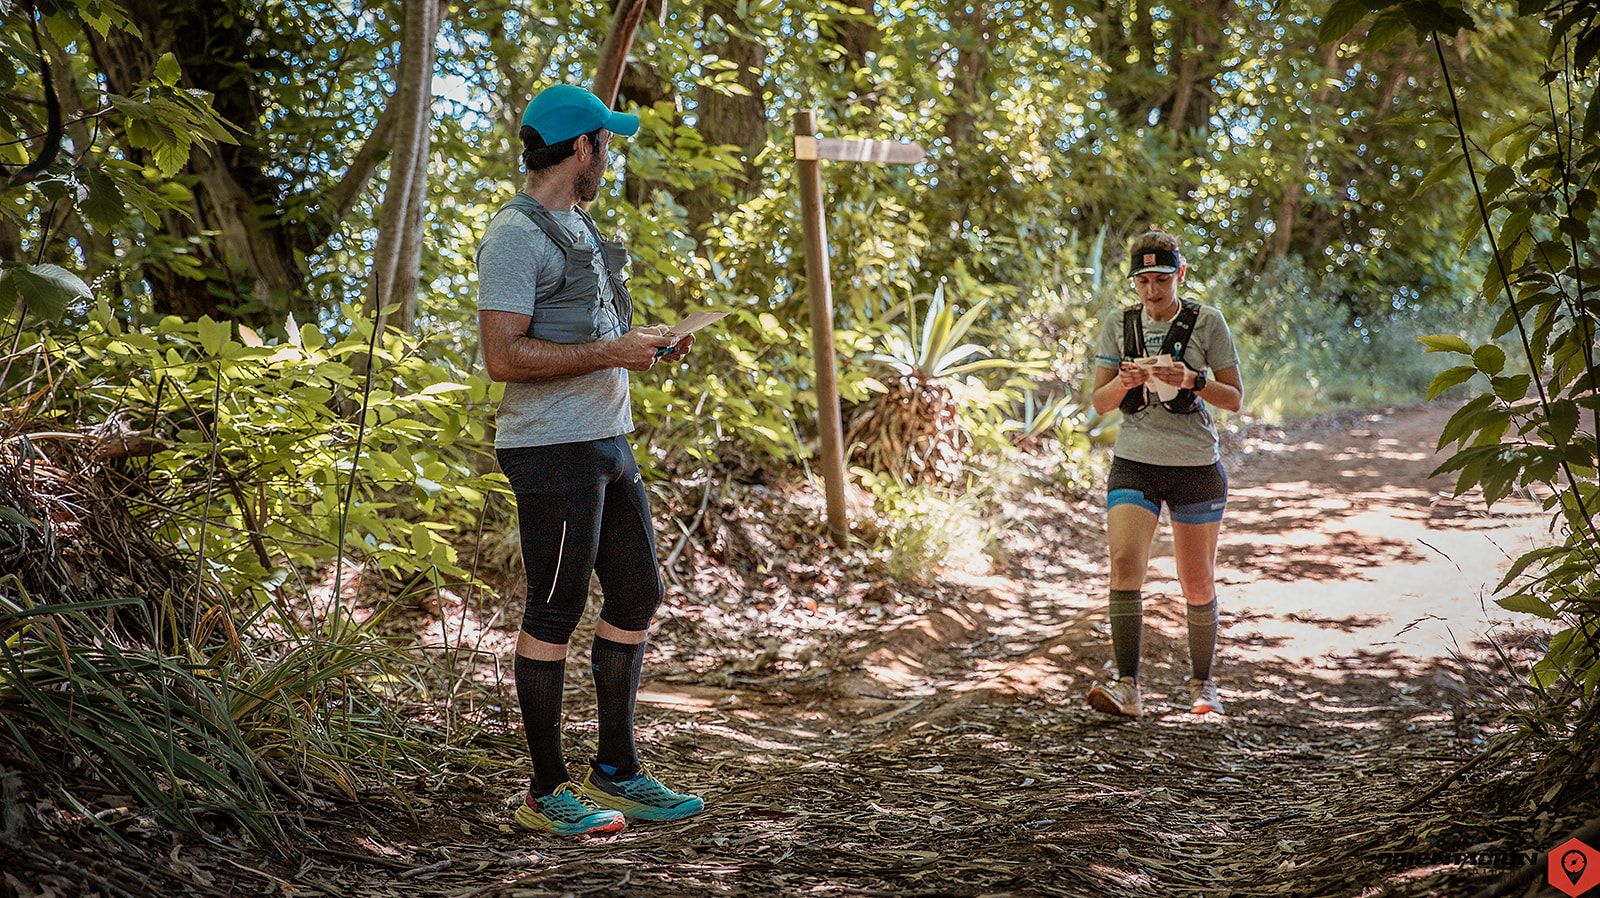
1156,436
517,264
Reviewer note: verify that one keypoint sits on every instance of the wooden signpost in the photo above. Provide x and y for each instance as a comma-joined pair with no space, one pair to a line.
808,150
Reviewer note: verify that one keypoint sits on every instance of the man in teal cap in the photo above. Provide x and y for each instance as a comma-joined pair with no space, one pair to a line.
555,320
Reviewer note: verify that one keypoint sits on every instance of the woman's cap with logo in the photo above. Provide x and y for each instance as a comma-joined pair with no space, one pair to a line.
1160,261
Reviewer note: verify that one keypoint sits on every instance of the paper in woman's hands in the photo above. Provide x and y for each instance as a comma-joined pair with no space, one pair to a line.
1164,391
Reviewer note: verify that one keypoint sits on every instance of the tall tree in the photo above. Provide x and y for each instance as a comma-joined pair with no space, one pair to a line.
397,257
625,19
730,103
1197,50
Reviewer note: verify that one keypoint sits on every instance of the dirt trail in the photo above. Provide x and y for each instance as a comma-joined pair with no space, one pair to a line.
954,754
957,757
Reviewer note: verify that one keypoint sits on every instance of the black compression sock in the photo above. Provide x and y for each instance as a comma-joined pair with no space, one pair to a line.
616,684
1127,626
539,692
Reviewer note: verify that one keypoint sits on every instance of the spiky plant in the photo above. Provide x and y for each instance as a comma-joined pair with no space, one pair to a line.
913,429
1036,419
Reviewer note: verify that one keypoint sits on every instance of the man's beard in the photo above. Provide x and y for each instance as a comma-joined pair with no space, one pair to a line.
588,186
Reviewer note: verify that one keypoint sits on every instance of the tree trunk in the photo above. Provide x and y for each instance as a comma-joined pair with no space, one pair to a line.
398,251
233,195
855,36
409,273
1294,192
1144,35
972,62
736,119
10,241
970,34
255,241
643,86
614,50
1289,220
1196,48
98,252
1127,83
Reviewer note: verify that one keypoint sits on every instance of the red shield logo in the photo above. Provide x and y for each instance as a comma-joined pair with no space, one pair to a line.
1574,867
1149,258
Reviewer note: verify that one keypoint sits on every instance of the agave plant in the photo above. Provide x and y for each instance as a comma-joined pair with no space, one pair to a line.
913,429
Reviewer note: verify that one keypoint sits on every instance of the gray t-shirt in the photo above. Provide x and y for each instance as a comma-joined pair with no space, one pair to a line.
517,264
1156,436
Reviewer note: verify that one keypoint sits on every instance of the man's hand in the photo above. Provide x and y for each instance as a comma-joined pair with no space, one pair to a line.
678,351
1131,375
636,349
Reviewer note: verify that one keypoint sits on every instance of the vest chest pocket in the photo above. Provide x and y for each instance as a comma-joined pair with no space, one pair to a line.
580,277
572,314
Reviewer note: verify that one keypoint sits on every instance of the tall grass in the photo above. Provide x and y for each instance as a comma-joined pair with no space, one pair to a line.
243,728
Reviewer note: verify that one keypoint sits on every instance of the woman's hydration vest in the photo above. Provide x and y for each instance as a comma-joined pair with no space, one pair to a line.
1176,341
573,313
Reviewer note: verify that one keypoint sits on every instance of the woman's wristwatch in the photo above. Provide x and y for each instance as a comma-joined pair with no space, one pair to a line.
1199,381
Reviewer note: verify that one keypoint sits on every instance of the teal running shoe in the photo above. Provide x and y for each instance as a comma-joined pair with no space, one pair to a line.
567,812
639,797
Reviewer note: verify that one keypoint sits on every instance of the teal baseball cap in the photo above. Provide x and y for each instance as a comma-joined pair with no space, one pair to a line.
562,112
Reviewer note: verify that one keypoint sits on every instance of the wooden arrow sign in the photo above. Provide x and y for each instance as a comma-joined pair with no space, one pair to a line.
808,150
894,152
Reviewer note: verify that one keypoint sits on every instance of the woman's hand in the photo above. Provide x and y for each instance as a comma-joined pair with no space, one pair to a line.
1180,376
1131,375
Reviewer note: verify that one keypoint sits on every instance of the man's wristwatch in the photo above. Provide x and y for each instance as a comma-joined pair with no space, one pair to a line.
1199,382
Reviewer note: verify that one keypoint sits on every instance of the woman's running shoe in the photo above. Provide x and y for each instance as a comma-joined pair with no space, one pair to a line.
640,797
1119,697
567,812
1206,700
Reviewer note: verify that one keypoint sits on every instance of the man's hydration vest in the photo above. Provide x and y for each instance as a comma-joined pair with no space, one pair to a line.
572,314
1176,341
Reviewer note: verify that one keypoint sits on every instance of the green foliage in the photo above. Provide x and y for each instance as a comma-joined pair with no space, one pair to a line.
1035,419
44,290
110,193
1537,165
259,438
933,350
1304,352
929,528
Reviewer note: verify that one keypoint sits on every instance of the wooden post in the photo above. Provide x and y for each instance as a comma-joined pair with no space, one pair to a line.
829,422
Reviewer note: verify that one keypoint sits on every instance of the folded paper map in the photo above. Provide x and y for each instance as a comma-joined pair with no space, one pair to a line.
1164,391
688,326
695,322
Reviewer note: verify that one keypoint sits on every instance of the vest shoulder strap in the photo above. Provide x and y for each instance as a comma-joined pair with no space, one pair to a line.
554,230
1132,333
542,218
1136,399
599,242
1177,339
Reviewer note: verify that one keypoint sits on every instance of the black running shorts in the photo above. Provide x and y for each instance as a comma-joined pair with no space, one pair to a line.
1198,494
